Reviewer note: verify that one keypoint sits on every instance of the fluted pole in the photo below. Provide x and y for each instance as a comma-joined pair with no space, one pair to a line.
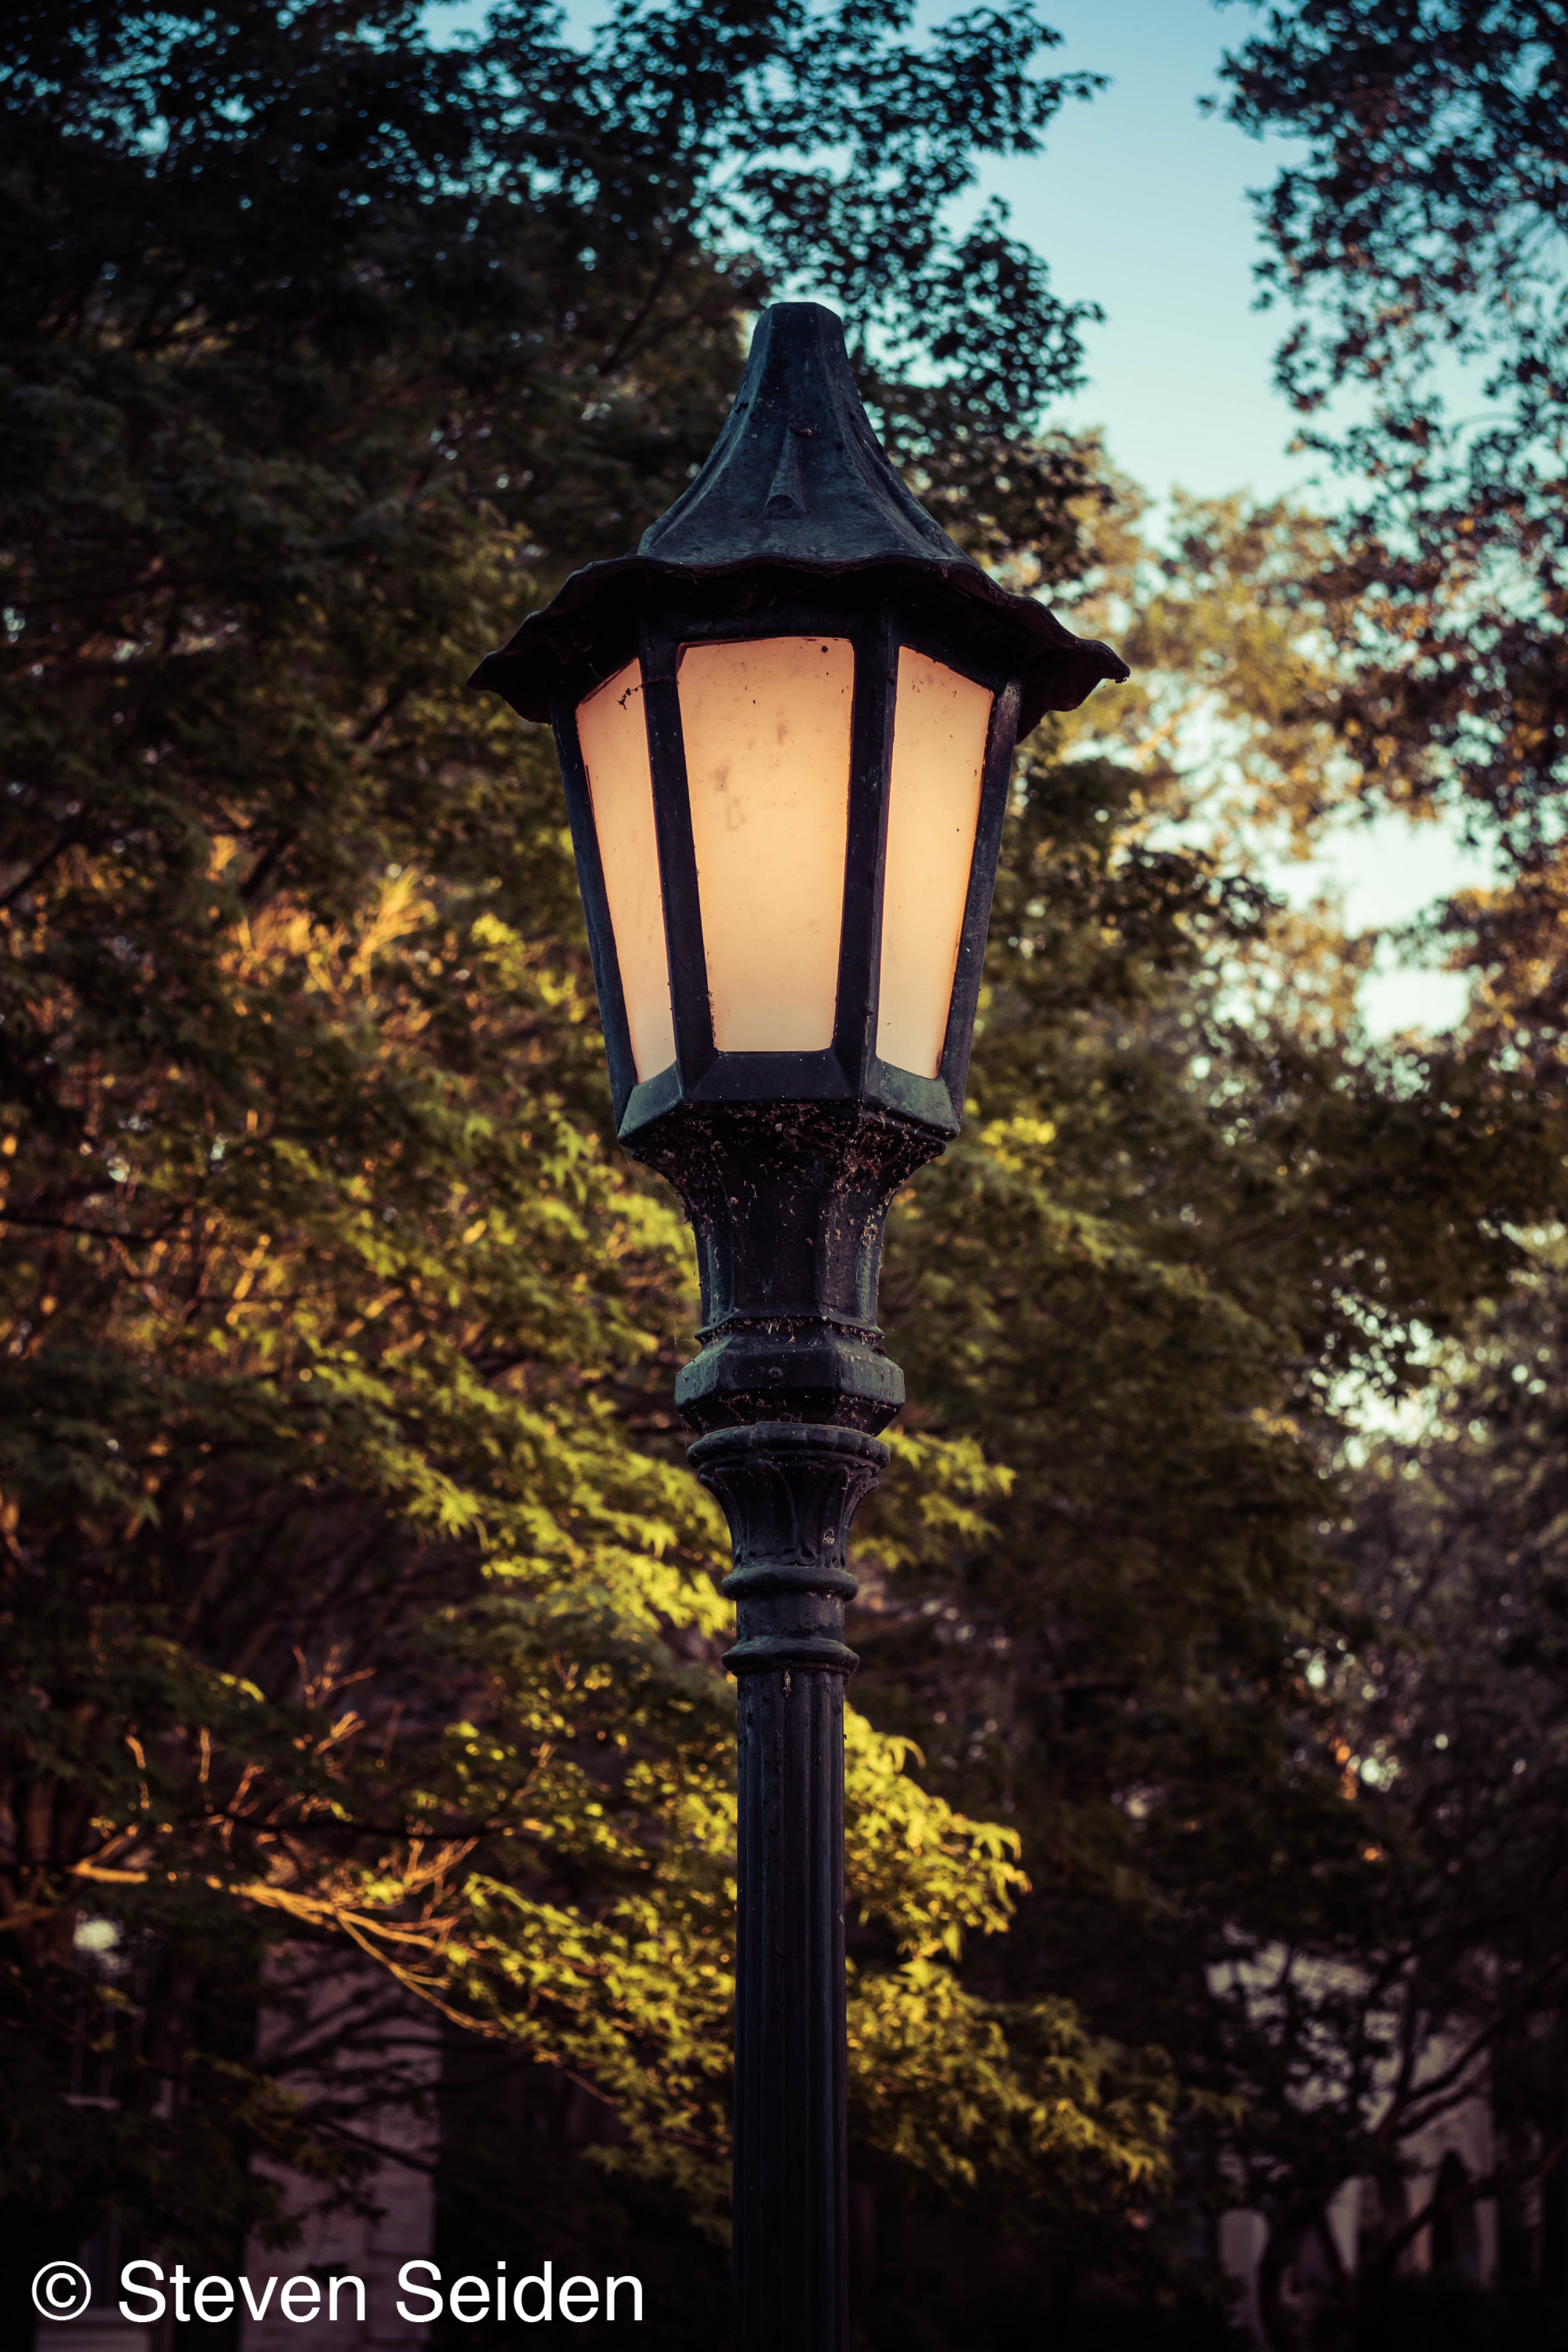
787,1203
790,1491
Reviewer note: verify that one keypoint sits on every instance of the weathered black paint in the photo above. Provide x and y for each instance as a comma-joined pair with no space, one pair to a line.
790,1491
787,1164
787,1201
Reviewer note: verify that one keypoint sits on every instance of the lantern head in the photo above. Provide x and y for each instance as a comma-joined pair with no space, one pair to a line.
787,726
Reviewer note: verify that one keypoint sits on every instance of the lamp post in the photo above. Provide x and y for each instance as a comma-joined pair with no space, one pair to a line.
787,727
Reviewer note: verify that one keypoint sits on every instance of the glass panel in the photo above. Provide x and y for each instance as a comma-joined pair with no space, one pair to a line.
766,726
614,739
940,727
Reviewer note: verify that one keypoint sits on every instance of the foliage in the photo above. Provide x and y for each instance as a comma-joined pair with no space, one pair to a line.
1449,1732
359,1606
1196,1220
1421,237
355,1596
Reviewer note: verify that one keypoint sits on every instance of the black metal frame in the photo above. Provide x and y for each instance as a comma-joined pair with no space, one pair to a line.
787,1164
849,1069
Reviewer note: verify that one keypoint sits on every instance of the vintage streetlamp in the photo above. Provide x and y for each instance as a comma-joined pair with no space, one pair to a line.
785,725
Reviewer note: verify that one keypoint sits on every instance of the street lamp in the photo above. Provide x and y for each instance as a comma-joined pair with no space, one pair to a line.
787,727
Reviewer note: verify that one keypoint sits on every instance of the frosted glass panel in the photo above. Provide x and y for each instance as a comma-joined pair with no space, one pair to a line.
940,727
614,738
766,726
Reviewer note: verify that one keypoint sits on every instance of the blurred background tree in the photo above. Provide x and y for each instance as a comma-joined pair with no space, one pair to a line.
359,1607
1198,1227
357,1596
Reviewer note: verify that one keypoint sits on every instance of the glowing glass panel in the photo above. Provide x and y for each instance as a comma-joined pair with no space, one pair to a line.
766,728
940,729
614,739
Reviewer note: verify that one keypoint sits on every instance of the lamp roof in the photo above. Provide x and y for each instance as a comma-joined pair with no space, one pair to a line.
797,483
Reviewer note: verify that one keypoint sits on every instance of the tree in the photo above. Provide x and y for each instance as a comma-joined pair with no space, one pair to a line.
1195,1218
355,1595
1421,238
358,1597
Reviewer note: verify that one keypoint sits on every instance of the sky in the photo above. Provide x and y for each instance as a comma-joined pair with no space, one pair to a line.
1140,204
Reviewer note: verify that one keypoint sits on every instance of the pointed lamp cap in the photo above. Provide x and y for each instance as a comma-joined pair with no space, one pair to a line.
797,483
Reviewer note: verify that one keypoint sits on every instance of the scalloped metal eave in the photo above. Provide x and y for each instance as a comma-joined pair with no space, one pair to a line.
1061,672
